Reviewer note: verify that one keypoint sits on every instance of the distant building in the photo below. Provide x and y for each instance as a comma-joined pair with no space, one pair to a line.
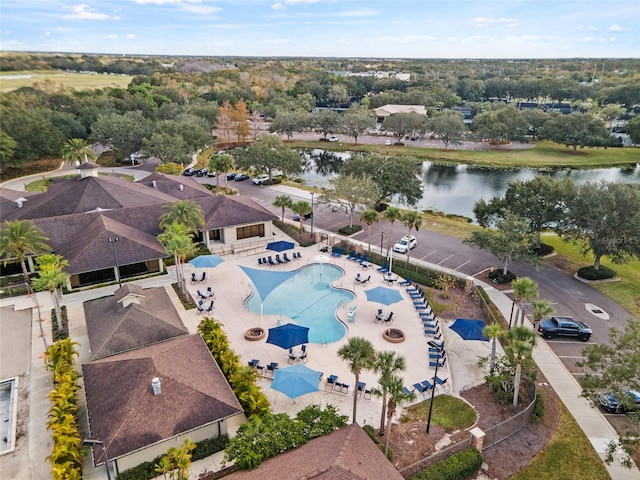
386,110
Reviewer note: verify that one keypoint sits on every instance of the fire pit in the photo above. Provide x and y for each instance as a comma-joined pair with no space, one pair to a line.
393,335
254,334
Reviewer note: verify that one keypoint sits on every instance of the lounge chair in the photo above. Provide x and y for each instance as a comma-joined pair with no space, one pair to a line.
439,344
432,331
442,382
439,363
427,384
271,262
420,388
351,255
407,391
357,258
201,295
259,261
285,257
429,325
384,268
272,367
278,259
331,382
364,260
361,386
439,355
254,363
296,255
405,283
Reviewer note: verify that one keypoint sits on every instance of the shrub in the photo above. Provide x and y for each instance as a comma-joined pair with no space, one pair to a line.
543,250
589,273
538,410
372,434
498,277
350,230
457,467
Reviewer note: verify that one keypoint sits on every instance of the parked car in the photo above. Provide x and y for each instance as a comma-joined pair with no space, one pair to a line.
202,172
260,179
231,175
333,138
408,242
414,137
611,403
388,142
211,173
307,216
241,177
564,326
189,172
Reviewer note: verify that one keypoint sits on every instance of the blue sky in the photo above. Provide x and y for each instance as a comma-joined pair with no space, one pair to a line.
326,28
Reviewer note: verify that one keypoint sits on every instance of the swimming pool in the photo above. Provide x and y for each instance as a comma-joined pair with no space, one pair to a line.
309,300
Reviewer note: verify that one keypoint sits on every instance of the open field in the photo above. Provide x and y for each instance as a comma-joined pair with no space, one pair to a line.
77,81
544,155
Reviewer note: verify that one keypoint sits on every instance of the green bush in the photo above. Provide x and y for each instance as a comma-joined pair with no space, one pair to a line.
498,277
372,434
457,467
350,230
589,273
538,410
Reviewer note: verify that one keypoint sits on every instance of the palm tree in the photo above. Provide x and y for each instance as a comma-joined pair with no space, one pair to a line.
397,396
523,289
301,208
521,343
283,201
221,163
541,308
76,150
388,363
369,217
178,241
360,355
185,212
493,332
411,220
391,214
19,239
51,276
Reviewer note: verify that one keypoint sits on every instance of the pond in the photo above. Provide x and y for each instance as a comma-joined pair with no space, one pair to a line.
455,189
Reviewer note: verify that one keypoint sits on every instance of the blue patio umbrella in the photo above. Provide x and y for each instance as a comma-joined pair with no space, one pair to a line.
383,295
280,246
469,329
288,335
296,381
206,261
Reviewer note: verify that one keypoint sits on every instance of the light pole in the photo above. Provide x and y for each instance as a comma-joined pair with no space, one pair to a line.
381,242
90,442
113,241
433,344
312,194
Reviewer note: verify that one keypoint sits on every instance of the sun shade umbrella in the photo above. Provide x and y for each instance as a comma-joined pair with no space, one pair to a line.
296,381
288,335
469,329
206,261
280,246
383,295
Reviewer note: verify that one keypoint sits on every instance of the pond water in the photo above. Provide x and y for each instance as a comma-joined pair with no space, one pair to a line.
455,188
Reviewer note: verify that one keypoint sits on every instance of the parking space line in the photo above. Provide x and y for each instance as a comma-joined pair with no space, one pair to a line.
445,259
422,258
460,266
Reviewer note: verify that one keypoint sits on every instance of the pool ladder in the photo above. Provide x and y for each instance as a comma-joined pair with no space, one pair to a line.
342,303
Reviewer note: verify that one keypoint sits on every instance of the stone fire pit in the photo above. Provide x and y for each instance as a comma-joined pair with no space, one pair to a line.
255,334
393,335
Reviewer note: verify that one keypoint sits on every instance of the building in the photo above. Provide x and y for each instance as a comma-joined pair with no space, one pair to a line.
387,110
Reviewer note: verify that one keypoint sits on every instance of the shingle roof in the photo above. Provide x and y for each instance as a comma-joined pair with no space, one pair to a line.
224,211
390,109
125,414
114,328
346,454
170,185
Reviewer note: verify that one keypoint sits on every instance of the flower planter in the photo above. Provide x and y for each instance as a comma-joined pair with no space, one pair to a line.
255,334
393,335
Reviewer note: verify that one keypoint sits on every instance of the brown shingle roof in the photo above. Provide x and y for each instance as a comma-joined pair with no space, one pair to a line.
114,328
346,454
224,211
126,415
170,185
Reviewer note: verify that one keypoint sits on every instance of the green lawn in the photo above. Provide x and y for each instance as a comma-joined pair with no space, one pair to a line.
543,155
567,456
449,412
77,81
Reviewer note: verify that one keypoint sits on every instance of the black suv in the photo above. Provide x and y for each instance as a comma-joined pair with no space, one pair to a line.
564,326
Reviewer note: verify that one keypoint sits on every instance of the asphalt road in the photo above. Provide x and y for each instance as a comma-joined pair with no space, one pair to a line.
568,296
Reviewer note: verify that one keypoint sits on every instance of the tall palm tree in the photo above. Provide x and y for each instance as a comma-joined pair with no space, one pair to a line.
76,150
51,276
493,332
221,163
397,396
369,216
523,289
388,363
411,220
19,239
178,241
541,308
185,212
301,208
360,355
283,201
521,343
391,214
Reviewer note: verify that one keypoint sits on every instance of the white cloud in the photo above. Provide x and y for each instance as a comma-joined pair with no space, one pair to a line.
83,12
166,2
302,2
131,36
616,28
484,22
358,13
200,9
278,6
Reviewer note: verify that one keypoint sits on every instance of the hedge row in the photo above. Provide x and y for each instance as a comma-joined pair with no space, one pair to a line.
457,467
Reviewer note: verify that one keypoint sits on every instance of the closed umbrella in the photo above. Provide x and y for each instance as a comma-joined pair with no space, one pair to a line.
296,381
288,335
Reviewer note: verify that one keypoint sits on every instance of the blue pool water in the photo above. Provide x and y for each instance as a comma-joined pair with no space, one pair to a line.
309,300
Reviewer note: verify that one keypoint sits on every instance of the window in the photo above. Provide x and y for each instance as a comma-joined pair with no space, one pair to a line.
250,231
